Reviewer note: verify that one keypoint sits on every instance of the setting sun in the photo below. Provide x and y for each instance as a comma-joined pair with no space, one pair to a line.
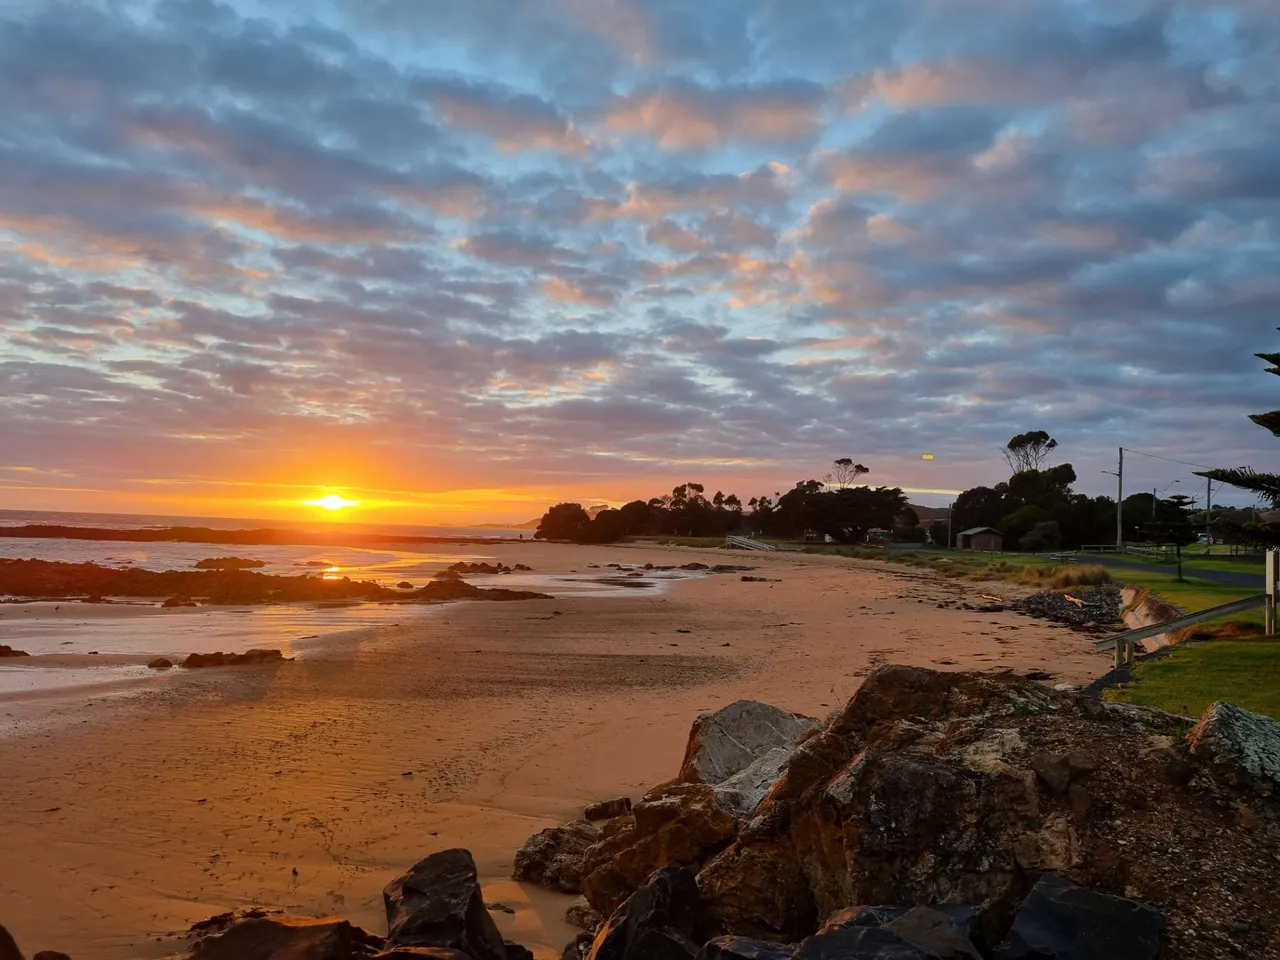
332,501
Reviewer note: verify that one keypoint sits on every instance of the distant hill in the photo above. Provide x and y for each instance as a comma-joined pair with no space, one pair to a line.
527,525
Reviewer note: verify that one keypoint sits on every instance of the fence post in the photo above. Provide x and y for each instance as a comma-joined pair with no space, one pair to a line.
1273,575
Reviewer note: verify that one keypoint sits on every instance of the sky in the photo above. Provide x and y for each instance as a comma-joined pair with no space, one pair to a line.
457,261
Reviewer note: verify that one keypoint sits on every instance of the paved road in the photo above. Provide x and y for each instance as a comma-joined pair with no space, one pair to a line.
1232,577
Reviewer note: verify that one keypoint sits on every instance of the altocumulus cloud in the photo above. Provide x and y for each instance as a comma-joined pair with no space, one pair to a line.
616,241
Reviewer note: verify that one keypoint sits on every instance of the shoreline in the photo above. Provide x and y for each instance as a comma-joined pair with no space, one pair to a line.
474,727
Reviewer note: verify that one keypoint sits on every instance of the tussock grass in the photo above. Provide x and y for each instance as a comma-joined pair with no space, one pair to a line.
1064,577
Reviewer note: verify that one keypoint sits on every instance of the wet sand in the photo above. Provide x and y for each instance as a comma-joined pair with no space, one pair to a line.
474,727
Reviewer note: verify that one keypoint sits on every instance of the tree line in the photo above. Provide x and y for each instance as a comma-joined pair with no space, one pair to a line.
832,507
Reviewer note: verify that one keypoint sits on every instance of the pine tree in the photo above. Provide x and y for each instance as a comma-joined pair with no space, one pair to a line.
1265,485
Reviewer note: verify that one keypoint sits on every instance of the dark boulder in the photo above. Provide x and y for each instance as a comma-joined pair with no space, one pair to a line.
8,947
553,857
404,585
655,923
51,955
608,809
1061,921
516,951
438,904
179,600
284,938
859,943
7,651
161,663
742,948
942,933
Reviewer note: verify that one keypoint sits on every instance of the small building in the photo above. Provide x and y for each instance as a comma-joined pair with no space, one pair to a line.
979,538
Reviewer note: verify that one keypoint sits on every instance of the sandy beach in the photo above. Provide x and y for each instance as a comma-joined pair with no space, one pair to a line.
309,785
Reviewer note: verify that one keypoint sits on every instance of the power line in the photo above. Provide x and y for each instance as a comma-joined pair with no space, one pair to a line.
1156,456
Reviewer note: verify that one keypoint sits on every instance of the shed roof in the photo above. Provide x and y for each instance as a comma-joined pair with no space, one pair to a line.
972,530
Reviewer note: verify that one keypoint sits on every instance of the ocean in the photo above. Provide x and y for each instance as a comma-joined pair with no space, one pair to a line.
93,650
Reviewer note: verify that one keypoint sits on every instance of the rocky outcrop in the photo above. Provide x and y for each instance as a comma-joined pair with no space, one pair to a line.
655,923
553,857
1060,921
607,809
8,651
161,663
1244,747
438,904
726,742
932,788
220,659
178,600
678,824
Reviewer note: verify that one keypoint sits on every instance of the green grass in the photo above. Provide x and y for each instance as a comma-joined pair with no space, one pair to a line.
1192,561
1243,672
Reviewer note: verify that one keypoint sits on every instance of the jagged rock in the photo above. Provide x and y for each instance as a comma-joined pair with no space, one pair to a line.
220,659
741,793
8,651
693,566
674,825
729,740
1061,921
552,858
757,891
161,663
743,948
858,943
608,809
655,923
863,916
438,904
941,935
284,938
582,914
1240,745
8,948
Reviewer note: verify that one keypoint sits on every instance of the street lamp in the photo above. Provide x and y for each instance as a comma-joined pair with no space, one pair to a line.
950,541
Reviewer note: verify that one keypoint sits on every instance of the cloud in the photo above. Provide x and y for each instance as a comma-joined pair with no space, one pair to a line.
621,244
683,115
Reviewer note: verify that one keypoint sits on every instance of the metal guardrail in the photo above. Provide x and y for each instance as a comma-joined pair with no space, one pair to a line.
746,543
1123,643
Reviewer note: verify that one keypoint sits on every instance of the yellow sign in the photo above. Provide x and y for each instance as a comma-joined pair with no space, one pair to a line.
926,456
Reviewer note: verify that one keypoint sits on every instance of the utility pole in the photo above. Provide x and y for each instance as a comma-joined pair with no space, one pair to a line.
1118,473
1120,501
1208,516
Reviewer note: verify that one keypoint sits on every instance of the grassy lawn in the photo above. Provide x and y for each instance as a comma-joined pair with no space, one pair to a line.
1243,672
1196,561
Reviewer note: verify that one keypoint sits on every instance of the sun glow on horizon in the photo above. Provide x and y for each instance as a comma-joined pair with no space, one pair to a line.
332,501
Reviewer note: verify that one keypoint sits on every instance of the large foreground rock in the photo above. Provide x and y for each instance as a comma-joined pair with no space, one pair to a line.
553,857
438,904
1061,921
220,659
1239,745
655,923
284,938
726,742
947,788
